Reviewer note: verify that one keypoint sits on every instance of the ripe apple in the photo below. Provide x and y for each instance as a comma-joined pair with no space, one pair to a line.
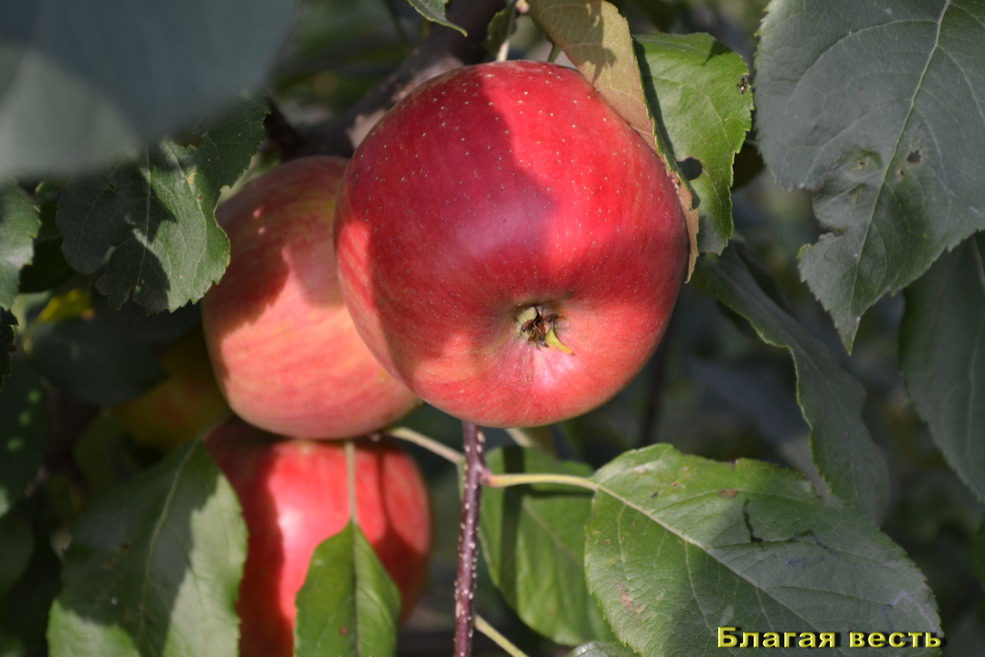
181,406
284,349
294,495
508,246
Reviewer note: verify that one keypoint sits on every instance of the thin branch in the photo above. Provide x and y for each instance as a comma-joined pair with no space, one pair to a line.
508,646
430,444
468,541
444,49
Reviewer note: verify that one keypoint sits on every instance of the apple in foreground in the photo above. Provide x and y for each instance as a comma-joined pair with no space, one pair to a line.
282,344
508,246
181,406
294,495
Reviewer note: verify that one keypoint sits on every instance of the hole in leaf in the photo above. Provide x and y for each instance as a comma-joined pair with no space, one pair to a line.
691,168
914,157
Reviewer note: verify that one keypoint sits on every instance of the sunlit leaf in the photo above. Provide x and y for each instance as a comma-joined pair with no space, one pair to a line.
19,224
704,97
154,567
679,546
348,605
148,226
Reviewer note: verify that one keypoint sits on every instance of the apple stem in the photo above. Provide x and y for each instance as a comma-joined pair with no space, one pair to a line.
507,480
468,539
350,469
430,444
508,646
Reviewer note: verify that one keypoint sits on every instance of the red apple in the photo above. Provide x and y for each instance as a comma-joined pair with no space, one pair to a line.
282,344
294,495
181,406
508,246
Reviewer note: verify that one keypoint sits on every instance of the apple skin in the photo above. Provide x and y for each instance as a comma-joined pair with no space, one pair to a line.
282,344
294,496
181,406
486,192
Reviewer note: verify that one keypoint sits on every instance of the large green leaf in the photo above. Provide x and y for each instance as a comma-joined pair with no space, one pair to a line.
154,567
533,540
19,224
878,107
149,225
23,432
701,92
83,83
348,606
679,546
942,345
831,399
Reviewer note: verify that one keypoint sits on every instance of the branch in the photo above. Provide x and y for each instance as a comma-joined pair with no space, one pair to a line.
468,539
443,50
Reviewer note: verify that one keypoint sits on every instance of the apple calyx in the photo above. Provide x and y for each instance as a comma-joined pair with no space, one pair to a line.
539,326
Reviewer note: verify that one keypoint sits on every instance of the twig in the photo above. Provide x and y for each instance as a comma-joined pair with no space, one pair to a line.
430,444
444,49
508,646
468,540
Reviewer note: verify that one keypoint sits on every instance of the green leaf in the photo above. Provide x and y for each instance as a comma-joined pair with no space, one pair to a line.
596,38
348,605
23,432
533,540
679,546
877,107
701,92
149,225
94,361
154,567
602,649
82,84
434,11
830,398
19,224
943,359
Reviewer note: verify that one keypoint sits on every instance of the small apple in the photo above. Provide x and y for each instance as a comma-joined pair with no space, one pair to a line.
294,495
284,349
181,406
508,246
